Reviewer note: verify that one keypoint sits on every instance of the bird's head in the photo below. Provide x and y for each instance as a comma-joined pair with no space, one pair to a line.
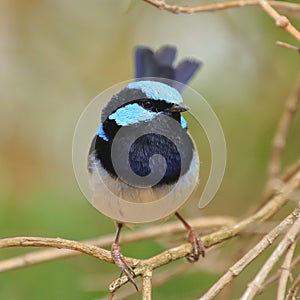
141,102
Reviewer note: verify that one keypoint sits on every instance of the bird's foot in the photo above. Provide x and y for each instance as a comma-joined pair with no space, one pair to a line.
120,261
198,247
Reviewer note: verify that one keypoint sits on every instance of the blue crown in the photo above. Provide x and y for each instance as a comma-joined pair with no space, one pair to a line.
157,91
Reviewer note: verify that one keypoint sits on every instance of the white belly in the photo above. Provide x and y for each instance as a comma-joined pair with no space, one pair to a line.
103,187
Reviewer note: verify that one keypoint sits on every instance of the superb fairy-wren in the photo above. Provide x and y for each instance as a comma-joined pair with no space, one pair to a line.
155,105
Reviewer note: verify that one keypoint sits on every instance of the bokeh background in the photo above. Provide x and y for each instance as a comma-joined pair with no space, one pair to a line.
56,56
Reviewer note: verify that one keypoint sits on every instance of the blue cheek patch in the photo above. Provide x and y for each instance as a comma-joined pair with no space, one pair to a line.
131,114
183,122
157,91
101,133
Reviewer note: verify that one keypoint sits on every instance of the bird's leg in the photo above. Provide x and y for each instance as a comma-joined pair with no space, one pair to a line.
194,239
119,259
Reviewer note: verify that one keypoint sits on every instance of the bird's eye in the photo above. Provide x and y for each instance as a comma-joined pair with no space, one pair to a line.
147,105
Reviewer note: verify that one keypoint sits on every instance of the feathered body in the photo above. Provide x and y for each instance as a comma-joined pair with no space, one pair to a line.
155,108
142,132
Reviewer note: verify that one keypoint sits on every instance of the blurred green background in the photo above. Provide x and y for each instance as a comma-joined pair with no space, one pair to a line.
56,56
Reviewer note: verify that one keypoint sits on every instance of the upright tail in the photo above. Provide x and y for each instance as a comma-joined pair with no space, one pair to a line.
161,64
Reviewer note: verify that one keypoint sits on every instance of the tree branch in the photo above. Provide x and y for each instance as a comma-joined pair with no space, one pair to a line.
59,243
281,137
159,279
240,265
285,272
268,6
37,257
294,288
176,9
147,284
288,46
261,276
280,21
276,276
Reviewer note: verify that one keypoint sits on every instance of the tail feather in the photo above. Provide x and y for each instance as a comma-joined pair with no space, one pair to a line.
145,63
186,69
165,72
165,55
161,64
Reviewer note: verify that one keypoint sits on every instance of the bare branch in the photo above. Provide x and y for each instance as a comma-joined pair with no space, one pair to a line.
290,171
37,257
59,243
155,262
288,46
268,6
240,265
147,284
159,279
261,276
176,9
276,276
281,137
285,272
280,21
294,288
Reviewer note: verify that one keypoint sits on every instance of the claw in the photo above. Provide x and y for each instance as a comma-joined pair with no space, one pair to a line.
198,247
120,261
194,239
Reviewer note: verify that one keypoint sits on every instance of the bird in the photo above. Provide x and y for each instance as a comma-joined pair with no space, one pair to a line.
153,102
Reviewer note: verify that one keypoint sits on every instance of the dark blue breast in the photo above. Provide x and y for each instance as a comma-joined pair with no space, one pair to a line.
146,147
170,142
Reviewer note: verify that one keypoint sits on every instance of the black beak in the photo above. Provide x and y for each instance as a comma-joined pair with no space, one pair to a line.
178,108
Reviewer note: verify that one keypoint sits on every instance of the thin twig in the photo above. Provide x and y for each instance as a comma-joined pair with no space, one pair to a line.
59,243
160,230
276,276
290,171
240,265
288,46
155,262
280,138
158,280
285,272
268,6
147,284
294,289
176,9
290,237
280,21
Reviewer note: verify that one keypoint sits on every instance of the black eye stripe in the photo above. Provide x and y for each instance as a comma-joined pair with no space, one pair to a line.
147,104
154,105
